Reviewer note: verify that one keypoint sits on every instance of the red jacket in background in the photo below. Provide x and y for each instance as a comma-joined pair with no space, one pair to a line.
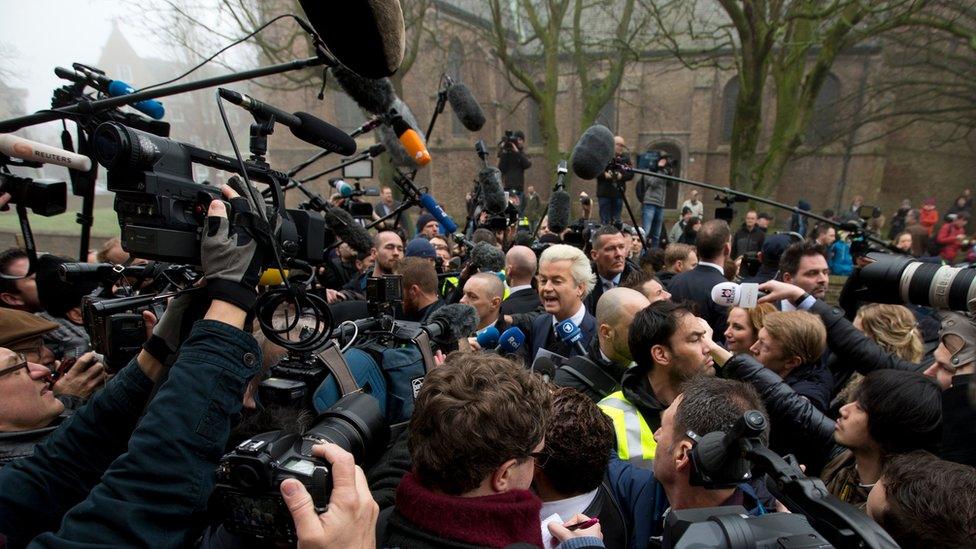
948,241
928,218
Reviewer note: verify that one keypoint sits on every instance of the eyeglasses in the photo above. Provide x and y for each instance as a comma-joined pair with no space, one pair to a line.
22,363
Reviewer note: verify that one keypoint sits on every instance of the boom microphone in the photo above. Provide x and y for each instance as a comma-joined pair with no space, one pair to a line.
466,107
364,35
18,147
451,322
486,257
559,211
431,205
490,182
304,126
593,152
346,228
374,96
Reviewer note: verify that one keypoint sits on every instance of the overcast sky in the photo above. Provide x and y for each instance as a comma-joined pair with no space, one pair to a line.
50,33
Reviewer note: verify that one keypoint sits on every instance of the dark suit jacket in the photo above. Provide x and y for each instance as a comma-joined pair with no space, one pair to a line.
696,286
522,301
597,293
539,335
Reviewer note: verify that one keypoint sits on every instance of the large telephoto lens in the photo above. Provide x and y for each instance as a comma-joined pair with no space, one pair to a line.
899,279
356,424
119,147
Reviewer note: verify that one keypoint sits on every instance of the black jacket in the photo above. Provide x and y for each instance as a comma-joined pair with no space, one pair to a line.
637,390
665,277
744,240
696,286
513,164
959,422
522,301
607,188
594,377
597,293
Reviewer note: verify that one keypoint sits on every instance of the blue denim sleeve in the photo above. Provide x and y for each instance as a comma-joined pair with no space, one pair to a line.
36,492
586,542
156,493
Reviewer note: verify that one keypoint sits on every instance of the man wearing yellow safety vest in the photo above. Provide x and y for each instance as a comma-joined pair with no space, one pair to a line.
667,343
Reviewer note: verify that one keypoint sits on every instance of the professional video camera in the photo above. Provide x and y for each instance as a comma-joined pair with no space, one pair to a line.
162,210
726,459
247,496
113,314
45,197
897,279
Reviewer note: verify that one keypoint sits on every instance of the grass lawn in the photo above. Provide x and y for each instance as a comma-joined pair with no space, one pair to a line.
106,222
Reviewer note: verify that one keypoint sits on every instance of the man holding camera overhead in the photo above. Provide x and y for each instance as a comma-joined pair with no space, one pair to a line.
512,160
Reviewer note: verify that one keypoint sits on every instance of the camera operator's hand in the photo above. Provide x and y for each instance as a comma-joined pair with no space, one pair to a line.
351,518
165,338
778,291
561,532
4,198
231,258
82,379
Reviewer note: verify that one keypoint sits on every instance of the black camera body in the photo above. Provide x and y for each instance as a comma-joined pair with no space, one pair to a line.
383,294
293,381
730,527
162,210
45,197
117,337
247,496
509,138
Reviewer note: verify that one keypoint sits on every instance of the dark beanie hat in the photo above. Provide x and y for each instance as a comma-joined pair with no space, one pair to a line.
423,220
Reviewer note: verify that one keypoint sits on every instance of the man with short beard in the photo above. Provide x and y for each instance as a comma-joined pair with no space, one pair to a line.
804,264
669,346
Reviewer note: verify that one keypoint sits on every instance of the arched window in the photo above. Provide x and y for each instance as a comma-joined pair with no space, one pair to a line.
729,96
455,59
533,124
822,123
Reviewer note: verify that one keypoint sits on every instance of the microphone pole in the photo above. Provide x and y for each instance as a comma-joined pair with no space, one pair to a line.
85,108
369,125
733,192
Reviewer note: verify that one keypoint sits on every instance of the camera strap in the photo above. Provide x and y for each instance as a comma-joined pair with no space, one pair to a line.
423,343
339,368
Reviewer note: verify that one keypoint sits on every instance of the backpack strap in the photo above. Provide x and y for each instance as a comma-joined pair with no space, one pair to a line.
339,368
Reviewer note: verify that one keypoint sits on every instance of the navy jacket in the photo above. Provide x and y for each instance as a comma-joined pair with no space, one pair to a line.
696,286
108,478
542,327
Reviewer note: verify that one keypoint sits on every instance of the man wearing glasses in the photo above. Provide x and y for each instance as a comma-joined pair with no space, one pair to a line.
30,411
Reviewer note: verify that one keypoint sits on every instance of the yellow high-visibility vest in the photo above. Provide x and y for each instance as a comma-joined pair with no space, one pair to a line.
635,438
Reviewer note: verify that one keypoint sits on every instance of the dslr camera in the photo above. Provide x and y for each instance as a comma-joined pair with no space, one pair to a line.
247,497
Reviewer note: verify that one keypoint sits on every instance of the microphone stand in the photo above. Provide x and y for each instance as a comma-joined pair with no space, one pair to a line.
411,198
794,209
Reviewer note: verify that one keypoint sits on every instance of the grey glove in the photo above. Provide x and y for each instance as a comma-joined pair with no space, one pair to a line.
232,258
167,334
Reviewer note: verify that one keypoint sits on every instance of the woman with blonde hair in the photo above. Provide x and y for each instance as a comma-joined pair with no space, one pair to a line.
744,326
894,329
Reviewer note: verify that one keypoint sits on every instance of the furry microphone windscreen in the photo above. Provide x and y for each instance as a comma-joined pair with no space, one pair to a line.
486,257
346,228
493,195
466,107
374,96
364,35
559,211
455,321
593,152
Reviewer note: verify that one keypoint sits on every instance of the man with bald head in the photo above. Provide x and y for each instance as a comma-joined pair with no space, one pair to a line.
520,267
484,292
609,354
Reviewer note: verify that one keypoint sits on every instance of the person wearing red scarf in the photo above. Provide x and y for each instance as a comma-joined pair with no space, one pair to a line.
478,426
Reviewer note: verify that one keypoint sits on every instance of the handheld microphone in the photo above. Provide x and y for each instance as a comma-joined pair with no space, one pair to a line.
466,107
545,367
343,188
571,333
510,341
431,205
411,140
18,147
593,152
115,88
304,126
730,294
346,228
487,337
451,322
